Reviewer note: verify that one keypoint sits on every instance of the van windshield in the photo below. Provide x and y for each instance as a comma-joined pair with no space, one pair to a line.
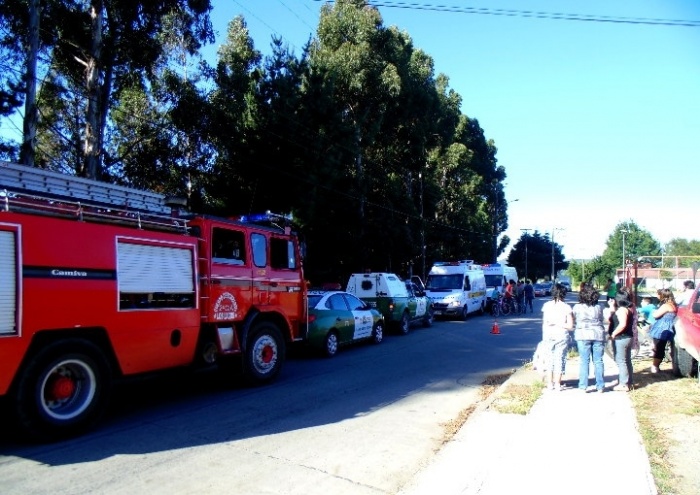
494,280
444,282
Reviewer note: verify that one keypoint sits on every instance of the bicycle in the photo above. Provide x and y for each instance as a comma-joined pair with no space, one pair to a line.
500,307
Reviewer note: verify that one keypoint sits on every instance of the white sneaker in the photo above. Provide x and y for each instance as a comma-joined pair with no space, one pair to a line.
654,369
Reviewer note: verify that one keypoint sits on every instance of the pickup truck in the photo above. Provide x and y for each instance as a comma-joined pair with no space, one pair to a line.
686,349
401,302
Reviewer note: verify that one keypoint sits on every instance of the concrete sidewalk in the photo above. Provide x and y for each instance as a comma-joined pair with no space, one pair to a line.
571,442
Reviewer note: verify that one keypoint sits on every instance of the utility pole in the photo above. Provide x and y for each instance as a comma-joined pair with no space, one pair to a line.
624,261
494,240
554,273
422,228
527,235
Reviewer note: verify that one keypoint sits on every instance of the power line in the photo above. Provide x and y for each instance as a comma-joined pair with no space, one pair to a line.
558,16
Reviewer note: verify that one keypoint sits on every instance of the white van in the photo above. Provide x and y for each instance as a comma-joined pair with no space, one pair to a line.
497,276
457,288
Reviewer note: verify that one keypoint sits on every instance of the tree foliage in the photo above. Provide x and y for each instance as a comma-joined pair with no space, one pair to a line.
94,50
534,256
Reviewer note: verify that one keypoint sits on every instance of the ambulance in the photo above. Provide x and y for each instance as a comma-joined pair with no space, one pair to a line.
457,288
498,275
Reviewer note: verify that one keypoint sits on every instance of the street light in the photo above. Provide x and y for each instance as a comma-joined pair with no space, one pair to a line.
553,272
527,234
624,261
494,183
494,240
422,226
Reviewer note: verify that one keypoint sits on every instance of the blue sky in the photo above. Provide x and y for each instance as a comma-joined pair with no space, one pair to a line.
596,123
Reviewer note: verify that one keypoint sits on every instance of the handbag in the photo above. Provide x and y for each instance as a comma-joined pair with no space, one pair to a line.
662,329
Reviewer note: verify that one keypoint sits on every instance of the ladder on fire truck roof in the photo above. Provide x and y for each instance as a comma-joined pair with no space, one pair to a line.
39,191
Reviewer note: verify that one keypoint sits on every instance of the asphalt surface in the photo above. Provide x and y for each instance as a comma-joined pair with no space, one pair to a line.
571,442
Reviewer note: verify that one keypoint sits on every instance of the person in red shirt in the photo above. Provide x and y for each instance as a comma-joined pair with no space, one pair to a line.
510,289
510,294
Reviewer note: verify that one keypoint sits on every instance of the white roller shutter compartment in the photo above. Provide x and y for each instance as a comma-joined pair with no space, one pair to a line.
147,269
8,283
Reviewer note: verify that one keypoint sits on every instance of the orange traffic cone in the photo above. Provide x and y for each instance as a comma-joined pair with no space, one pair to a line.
494,329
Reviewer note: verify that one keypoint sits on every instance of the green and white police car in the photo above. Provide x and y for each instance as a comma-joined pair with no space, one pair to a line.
401,302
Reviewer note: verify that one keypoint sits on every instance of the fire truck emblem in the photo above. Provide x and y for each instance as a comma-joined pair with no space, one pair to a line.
225,307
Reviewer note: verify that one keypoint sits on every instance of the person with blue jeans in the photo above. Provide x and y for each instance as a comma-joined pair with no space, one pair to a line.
622,318
557,321
590,336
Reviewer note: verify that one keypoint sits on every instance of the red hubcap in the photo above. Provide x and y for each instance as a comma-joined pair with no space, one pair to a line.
267,354
60,388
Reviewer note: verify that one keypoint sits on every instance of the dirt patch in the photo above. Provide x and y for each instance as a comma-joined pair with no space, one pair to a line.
487,388
668,413
518,398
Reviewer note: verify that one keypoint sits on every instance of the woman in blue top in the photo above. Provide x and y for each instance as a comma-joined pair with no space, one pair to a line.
590,335
662,330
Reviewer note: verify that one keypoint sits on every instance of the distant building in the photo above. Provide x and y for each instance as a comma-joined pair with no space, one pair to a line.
654,278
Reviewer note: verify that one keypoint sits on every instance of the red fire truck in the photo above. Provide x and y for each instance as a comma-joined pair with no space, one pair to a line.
99,281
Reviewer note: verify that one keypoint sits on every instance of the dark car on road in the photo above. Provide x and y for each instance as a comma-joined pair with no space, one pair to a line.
541,290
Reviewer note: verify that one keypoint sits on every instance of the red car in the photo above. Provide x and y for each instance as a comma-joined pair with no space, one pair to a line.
686,351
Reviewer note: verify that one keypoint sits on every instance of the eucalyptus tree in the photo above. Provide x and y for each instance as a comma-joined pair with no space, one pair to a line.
20,36
232,109
154,139
95,49
349,55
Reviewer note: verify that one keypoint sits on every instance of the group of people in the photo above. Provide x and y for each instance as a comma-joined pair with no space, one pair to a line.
594,325
520,292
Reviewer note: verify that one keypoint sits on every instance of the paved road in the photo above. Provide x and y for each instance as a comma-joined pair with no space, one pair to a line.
363,422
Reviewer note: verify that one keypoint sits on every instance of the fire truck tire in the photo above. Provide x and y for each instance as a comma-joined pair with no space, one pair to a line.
63,390
264,354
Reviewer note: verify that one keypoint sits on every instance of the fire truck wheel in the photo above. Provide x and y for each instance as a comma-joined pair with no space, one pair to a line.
330,347
265,353
63,389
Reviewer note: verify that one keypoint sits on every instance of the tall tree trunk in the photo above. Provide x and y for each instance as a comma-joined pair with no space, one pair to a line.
27,152
364,254
92,147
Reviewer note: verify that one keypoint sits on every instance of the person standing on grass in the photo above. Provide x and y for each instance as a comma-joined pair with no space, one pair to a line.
662,331
590,335
622,319
610,289
684,296
557,322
